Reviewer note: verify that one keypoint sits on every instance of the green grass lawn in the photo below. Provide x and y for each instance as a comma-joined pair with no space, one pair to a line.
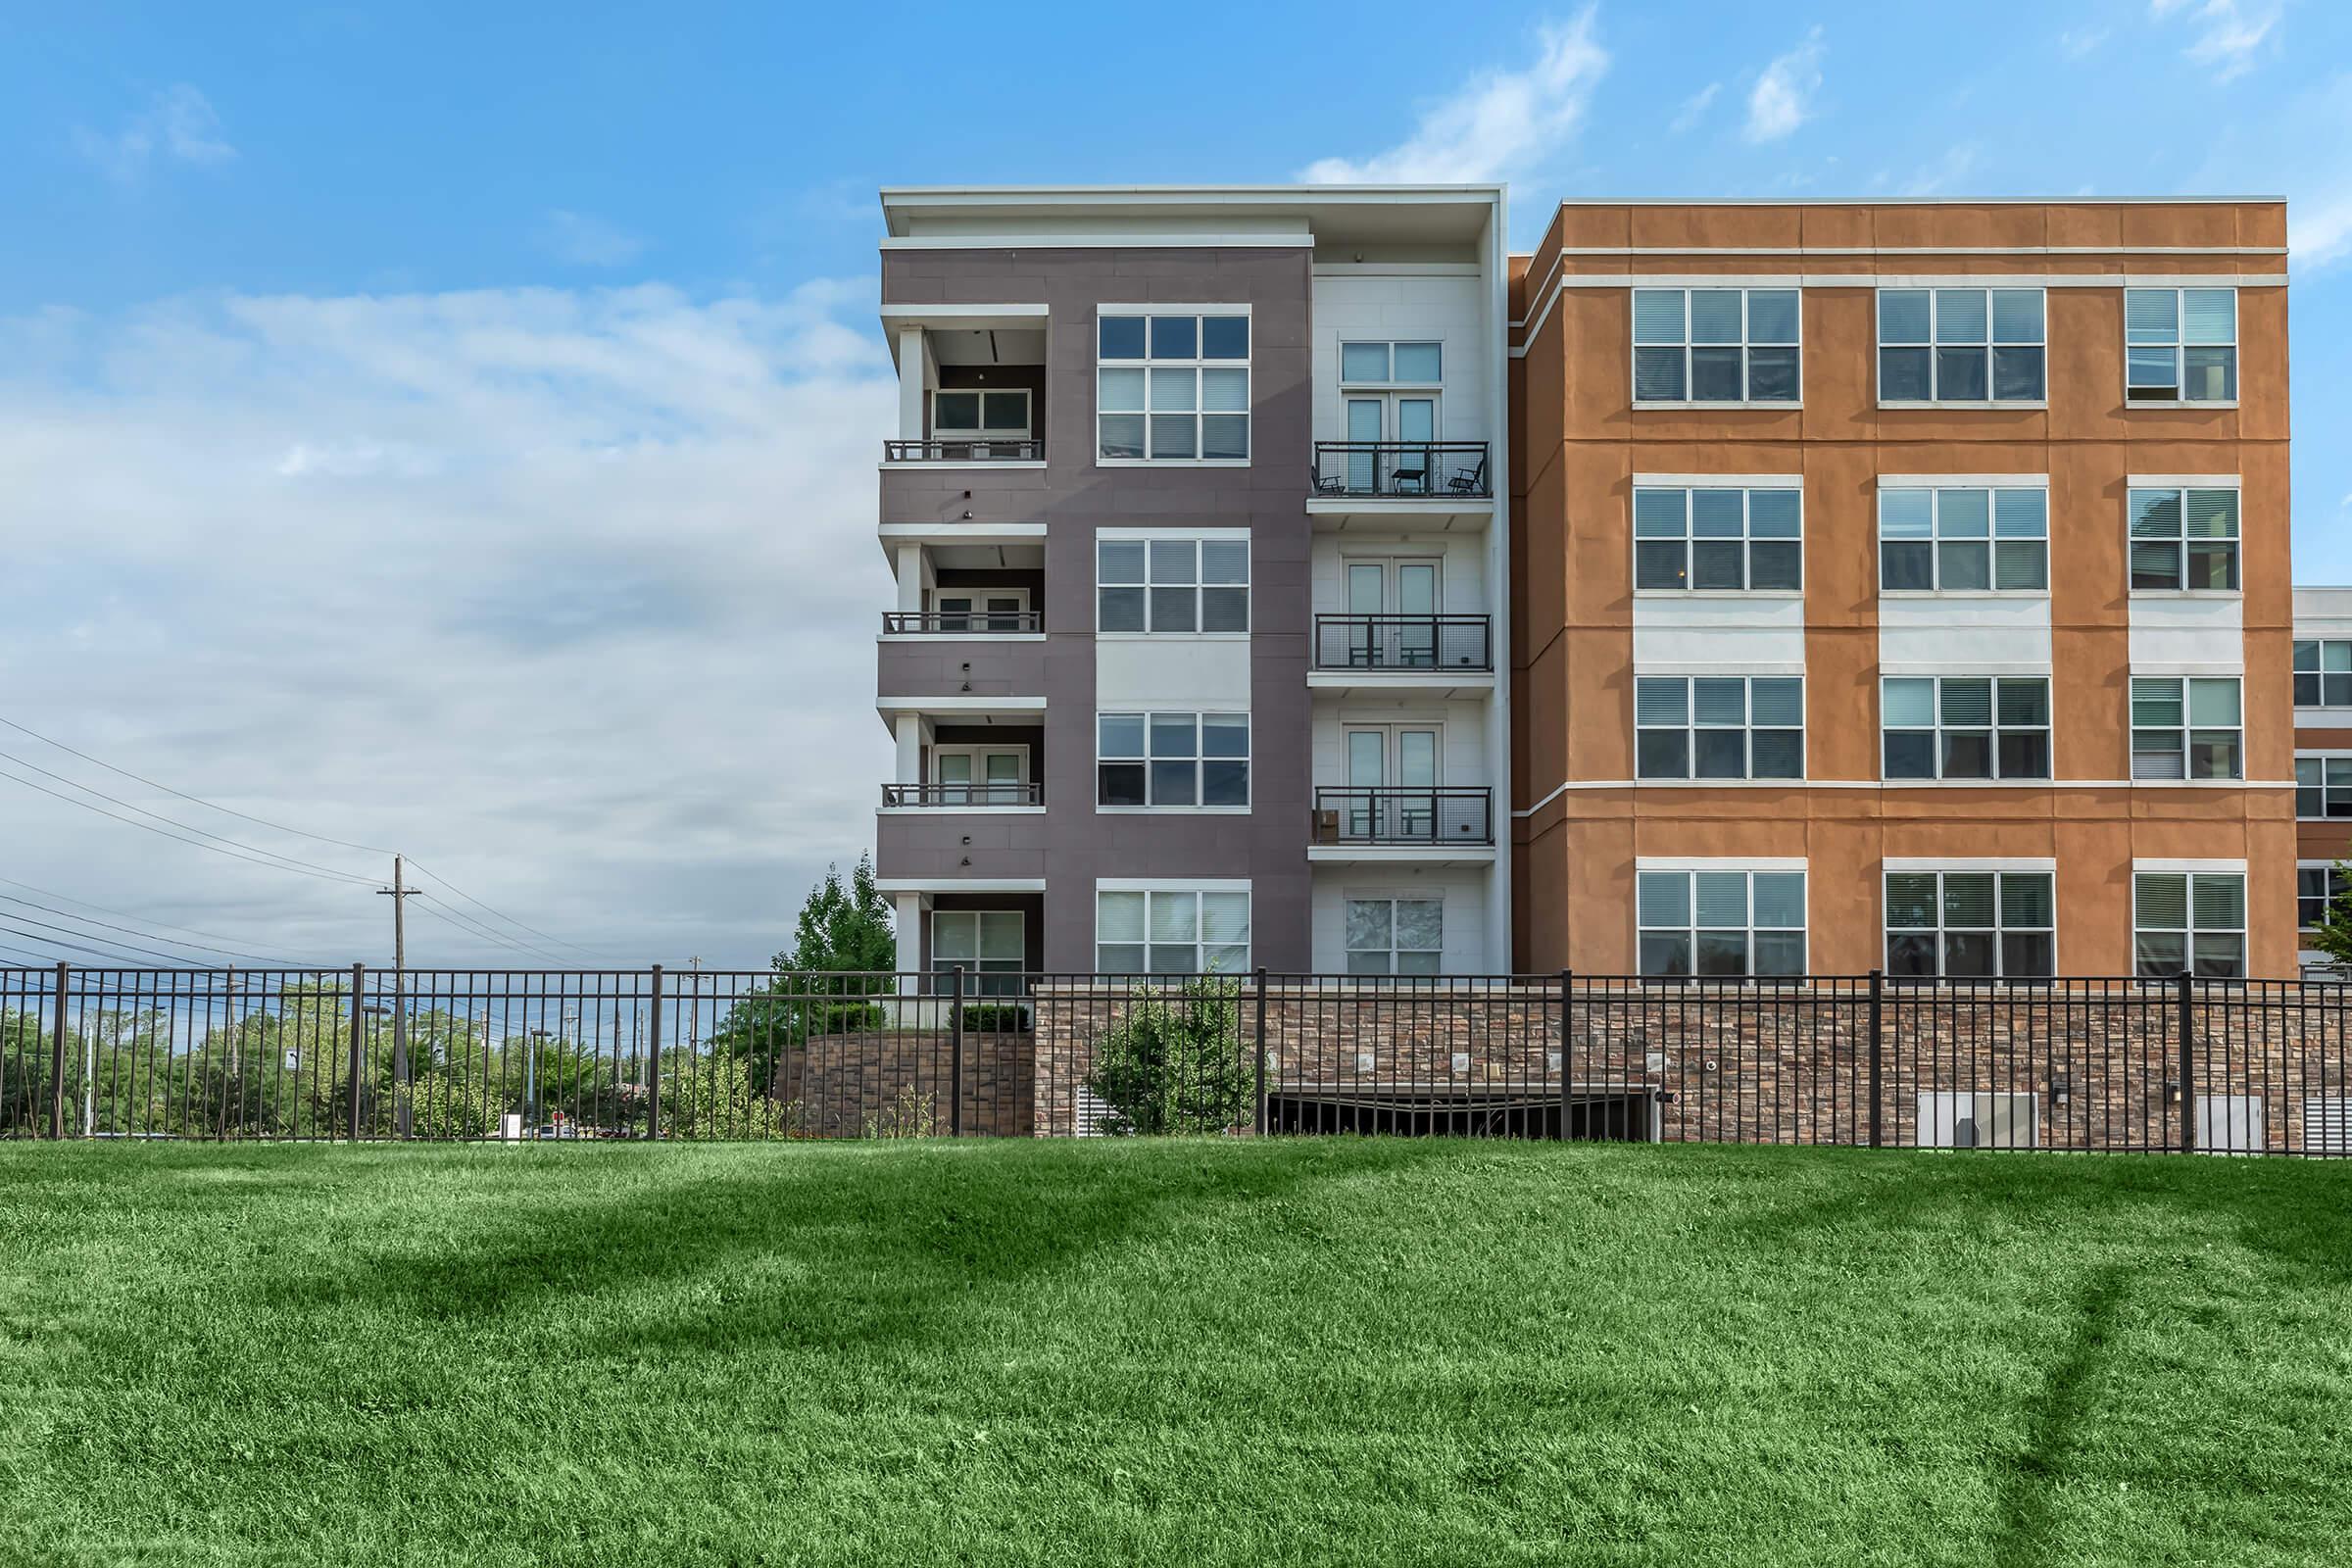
1173,1353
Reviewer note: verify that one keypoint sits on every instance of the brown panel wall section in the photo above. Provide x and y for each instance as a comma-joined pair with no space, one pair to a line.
1579,441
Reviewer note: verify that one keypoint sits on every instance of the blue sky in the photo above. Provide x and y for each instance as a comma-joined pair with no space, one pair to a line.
455,431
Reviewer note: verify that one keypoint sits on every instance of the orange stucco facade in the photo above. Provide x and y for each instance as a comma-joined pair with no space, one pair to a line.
1581,826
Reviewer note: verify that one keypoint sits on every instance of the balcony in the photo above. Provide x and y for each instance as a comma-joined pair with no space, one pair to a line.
1394,650
961,797
963,623
1442,484
989,449
1403,822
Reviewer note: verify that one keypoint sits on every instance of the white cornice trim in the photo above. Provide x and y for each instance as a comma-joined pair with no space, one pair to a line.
1786,784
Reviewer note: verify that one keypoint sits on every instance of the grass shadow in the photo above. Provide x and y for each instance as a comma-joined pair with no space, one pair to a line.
2027,1488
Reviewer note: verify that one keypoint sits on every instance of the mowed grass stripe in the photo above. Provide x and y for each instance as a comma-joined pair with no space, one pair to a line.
1170,1351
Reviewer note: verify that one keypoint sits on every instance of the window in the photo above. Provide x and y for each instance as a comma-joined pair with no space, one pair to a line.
1394,936
1965,726
1979,1120
1719,540
986,944
2185,726
1715,345
2184,539
1172,931
2316,888
1406,364
2180,345
2194,921
1972,924
1719,726
1173,389
2322,787
1964,540
2323,674
1172,585
976,413
1727,924
1172,759
1961,344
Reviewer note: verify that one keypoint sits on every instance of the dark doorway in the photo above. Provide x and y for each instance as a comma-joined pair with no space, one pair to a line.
1619,1118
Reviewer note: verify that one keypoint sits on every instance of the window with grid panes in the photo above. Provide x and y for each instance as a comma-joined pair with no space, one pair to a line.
1961,344
2194,921
2322,674
2185,539
1965,726
1721,924
2186,726
2180,345
1971,924
1719,726
2322,787
2317,886
1719,540
1963,539
1172,387
1716,345
1172,931
1172,585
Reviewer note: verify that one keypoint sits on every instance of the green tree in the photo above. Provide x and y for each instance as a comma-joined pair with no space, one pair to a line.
842,954
2332,936
1175,1061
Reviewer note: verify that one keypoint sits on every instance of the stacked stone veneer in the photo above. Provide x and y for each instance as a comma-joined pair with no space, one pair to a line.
2101,1064
895,1083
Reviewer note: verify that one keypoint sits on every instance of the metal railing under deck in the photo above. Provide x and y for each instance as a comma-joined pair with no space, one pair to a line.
1404,643
963,797
1402,470
1428,814
967,450
960,623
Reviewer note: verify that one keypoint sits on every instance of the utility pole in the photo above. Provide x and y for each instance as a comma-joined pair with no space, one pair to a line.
400,894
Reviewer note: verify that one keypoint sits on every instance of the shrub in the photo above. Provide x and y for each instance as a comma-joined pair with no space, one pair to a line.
1175,1063
996,1017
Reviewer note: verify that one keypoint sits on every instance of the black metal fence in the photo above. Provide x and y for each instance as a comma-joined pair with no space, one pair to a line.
2175,1063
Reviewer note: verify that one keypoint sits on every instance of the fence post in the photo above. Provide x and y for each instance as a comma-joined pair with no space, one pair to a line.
1566,976
2189,1064
57,1060
358,1040
955,1052
1259,1127
1877,992
653,1071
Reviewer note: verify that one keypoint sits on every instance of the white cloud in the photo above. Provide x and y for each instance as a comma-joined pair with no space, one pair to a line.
2318,231
586,241
176,125
568,594
2076,42
1501,122
1782,98
2229,33
1695,108
1939,178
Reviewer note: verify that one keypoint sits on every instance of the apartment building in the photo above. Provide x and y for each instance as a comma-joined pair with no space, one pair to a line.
1192,507
1906,584
2323,697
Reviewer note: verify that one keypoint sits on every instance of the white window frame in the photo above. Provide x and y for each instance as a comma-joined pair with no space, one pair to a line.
1935,488
2332,882
1690,927
1197,364
1199,719
2320,669
1747,540
1999,931
1390,953
975,985
1153,547
1992,729
978,616
1943,1111
2181,539
1691,728
981,789
1389,381
1989,343
2178,345
1746,345
1228,961
2316,778
985,432
2188,729
2141,874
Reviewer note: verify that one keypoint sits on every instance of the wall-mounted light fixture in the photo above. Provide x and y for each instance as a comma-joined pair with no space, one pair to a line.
2062,1089
2172,1091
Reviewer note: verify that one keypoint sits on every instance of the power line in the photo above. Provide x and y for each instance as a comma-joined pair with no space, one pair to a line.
263,821
275,864
148,919
459,920
64,914
109,952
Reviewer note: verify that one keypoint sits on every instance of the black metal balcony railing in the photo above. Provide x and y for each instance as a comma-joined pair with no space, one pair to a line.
1409,814
1405,642
967,450
962,797
1402,468
960,623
